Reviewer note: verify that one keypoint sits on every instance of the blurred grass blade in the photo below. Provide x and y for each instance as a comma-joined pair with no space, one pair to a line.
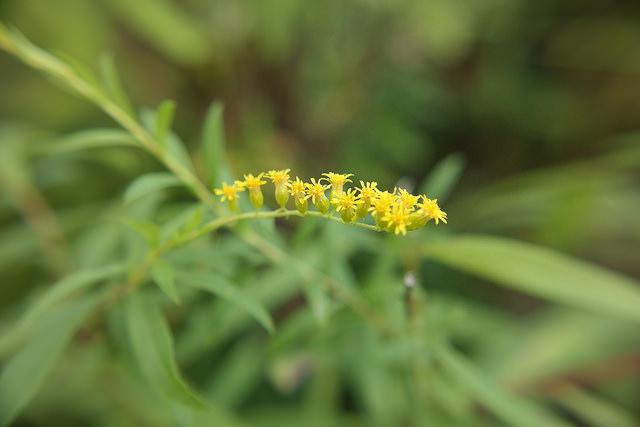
150,183
166,26
73,283
57,292
27,370
443,177
164,118
163,275
595,410
151,343
541,272
222,287
112,85
213,152
82,140
514,411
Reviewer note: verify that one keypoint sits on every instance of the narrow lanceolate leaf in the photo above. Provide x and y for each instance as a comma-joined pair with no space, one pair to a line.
224,288
213,153
317,299
87,139
77,281
443,177
112,85
60,290
511,409
173,149
151,344
23,375
163,275
541,272
150,183
164,118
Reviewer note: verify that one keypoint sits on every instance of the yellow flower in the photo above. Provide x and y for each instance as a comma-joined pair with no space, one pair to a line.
407,199
346,204
278,177
253,183
430,209
281,180
396,219
380,205
315,190
297,190
337,181
368,192
230,194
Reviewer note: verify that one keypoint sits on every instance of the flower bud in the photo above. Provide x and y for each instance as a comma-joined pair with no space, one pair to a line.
301,204
256,197
322,203
282,194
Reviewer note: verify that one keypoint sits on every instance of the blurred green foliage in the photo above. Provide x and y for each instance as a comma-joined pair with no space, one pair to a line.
520,117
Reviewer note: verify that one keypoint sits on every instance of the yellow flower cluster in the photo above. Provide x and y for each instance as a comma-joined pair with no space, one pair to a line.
398,211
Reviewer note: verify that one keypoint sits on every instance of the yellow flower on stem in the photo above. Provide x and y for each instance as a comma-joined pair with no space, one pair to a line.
397,218
407,199
368,192
297,189
253,183
346,204
315,190
281,180
337,181
230,194
380,205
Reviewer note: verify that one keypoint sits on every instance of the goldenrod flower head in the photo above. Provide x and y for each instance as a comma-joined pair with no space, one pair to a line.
407,199
297,188
281,180
396,219
251,181
346,204
430,209
382,202
368,191
315,189
229,192
278,177
337,181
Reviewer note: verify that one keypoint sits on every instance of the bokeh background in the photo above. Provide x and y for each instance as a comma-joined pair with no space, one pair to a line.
532,107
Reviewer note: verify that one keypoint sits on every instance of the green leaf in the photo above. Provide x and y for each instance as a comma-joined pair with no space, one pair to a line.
57,292
172,147
112,85
542,272
80,69
443,177
151,345
78,280
213,152
150,183
222,287
148,230
83,140
164,118
514,411
26,371
163,275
